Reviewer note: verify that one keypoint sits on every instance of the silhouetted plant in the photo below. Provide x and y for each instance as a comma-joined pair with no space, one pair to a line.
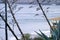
55,33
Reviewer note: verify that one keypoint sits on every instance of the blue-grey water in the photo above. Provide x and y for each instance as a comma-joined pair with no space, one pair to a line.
28,20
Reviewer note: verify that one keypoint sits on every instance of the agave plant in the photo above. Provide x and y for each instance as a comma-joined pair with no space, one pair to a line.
55,33
42,35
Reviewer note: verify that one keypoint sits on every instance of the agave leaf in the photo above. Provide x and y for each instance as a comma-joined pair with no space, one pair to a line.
55,31
39,34
54,34
58,30
44,36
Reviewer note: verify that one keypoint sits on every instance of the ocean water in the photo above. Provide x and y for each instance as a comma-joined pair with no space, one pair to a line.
29,21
